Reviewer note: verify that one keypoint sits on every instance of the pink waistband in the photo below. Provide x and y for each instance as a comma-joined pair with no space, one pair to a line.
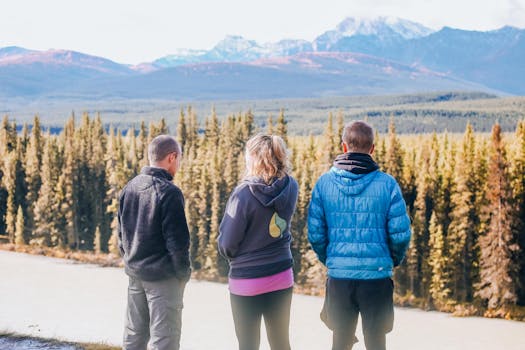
261,285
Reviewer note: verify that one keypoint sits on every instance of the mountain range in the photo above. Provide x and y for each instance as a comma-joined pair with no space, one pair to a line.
359,56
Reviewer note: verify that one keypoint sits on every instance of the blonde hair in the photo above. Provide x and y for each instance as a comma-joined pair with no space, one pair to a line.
267,157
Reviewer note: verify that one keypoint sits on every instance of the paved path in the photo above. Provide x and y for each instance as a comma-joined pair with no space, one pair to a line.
60,299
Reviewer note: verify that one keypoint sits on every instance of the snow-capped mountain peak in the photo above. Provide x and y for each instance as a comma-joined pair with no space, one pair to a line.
382,27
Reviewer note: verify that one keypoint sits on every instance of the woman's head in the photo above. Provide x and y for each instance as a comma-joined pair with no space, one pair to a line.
267,157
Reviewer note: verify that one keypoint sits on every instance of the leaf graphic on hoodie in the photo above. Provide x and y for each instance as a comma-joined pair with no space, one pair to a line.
277,226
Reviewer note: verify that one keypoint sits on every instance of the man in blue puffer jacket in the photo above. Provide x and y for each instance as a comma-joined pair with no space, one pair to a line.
359,228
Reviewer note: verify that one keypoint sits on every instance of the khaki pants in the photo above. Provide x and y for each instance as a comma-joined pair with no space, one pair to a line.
154,314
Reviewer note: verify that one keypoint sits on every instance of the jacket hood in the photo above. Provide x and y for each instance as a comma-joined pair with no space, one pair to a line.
280,194
349,183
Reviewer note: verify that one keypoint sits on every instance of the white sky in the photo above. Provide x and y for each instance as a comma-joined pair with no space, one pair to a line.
134,31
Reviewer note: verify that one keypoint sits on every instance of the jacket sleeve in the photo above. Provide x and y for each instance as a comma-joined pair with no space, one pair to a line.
398,226
317,228
232,229
176,233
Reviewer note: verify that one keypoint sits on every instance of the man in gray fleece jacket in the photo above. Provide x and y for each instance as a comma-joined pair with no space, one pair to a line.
154,243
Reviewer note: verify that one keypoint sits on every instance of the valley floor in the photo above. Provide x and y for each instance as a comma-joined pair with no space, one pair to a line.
55,298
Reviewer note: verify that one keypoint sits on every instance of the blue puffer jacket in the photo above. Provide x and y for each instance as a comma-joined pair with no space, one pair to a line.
357,224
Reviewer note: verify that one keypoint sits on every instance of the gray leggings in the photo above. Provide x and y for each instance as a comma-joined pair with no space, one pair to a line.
154,314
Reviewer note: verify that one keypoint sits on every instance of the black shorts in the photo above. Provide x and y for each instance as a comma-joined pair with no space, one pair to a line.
346,299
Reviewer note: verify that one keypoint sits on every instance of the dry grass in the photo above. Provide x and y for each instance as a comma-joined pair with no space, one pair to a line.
54,342
104,260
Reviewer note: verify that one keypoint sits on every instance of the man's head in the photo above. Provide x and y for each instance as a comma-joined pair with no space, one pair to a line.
358,137
164,152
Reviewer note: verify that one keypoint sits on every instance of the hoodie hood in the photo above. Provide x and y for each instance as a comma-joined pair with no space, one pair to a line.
349,183
353,172
280,194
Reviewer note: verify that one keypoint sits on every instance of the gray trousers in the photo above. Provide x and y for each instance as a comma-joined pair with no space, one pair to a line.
154,314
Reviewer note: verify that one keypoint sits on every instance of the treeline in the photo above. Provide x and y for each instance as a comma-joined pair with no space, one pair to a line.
466,197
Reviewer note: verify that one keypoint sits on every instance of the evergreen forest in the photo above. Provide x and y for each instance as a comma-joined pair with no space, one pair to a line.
465,193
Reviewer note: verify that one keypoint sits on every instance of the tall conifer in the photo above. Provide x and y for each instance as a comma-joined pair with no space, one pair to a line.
498,245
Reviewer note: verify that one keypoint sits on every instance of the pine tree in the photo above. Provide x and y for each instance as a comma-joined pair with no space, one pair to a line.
142,146
418,254
438,263
20,172
498,245
393,165
213,263
394,155
33,164
300,243
518,220
248,125
270,127
340,129
281,128
464,227
9,183
193,127
98,241
329,148
99,184
65,193
19,231
113,243
133,152
45,233
182,133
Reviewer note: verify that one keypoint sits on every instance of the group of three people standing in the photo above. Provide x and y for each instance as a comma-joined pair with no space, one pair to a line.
357,225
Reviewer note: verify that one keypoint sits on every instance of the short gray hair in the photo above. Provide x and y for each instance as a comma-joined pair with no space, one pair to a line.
358,136
161,146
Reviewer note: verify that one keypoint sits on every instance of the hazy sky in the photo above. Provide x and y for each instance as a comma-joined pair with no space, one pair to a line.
133,31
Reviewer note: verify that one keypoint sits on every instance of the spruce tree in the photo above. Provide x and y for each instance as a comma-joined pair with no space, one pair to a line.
97,245
45,233
438,264
142,146
19,231
182,133
393,162
65,192
269,125
99,184
498,244
33,165
418,254
518,220
9,183
329,148
463,231
281,129
340,129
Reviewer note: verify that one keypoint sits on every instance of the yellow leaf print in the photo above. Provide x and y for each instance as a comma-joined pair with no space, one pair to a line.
277,226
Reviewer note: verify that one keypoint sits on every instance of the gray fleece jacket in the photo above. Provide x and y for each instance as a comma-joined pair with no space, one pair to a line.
255,230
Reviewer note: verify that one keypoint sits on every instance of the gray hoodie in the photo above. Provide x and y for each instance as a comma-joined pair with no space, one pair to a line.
255,230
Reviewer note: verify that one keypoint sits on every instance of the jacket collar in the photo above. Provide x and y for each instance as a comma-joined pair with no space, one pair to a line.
357,163
157,172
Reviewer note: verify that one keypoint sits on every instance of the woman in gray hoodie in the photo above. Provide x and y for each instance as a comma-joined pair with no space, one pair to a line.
255,238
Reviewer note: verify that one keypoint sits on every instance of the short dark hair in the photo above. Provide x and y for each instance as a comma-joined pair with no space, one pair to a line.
161,146
358,136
